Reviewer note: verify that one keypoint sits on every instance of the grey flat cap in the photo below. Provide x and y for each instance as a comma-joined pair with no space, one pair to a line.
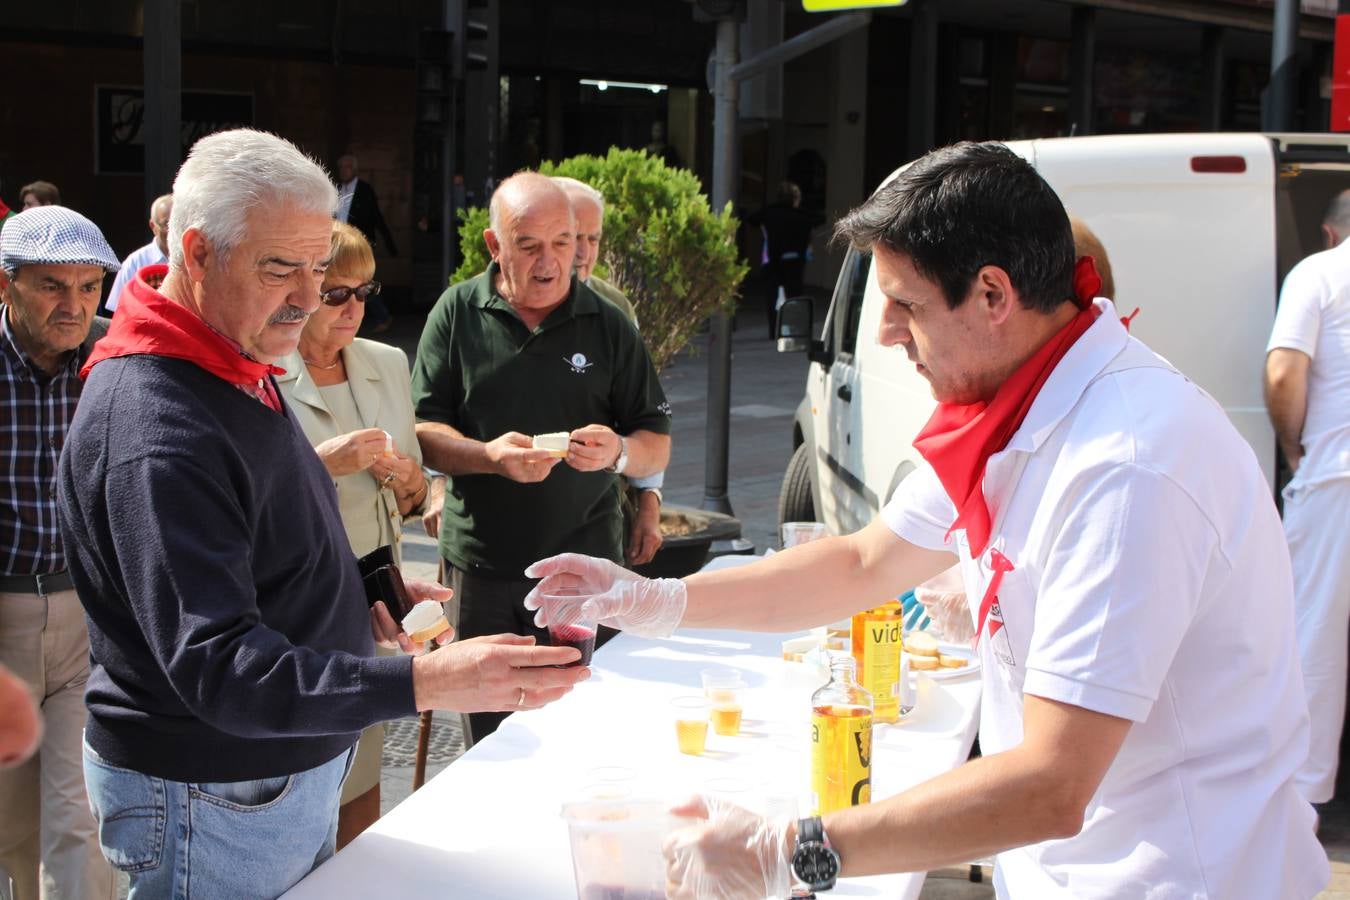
53,236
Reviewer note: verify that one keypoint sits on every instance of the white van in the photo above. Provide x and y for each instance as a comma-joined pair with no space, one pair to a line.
1200,230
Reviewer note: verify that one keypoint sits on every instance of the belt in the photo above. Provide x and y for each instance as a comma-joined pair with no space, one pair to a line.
36,584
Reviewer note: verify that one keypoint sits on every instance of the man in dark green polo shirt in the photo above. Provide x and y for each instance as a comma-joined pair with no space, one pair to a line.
524,349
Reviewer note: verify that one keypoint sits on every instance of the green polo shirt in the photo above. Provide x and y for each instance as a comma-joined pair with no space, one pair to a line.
480,370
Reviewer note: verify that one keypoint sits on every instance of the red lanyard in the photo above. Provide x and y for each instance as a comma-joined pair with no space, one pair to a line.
1001,566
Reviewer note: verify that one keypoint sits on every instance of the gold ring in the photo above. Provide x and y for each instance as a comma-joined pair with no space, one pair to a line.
520,701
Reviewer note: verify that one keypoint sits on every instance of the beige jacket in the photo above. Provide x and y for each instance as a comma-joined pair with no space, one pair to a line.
381,387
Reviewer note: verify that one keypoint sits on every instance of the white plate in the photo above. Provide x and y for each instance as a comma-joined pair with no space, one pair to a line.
952,674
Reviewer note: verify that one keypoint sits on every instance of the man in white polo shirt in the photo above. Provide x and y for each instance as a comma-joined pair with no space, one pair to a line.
1307,382
1143,714
152,254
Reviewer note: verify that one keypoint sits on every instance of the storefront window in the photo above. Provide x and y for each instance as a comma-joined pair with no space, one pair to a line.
1041,99
1144,91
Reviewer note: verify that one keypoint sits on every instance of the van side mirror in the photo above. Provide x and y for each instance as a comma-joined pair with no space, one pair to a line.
794,321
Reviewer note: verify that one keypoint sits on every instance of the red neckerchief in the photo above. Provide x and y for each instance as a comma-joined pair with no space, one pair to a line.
149,323
4,210
959,438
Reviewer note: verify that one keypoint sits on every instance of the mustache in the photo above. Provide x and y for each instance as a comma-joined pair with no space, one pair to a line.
288,314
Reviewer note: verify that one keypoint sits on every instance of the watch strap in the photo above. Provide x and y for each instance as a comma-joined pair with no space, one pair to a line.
621,461
810,828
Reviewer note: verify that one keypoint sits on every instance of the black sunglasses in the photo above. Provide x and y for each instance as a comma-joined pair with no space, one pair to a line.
340,295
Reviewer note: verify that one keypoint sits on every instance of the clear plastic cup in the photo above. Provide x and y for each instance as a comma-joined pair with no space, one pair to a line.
691,723
794,533
567,627
616,847
723,688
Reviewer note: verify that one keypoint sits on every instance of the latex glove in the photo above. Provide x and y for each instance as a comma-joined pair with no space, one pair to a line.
733,855
650,607
944,598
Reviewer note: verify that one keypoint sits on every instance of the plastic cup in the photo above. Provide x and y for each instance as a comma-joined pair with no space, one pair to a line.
723,687
691,724
794,533
567,627
616,846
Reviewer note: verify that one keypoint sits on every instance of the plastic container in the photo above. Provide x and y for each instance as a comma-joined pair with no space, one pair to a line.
616,847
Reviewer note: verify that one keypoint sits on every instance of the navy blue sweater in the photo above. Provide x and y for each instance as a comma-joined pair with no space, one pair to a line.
228,629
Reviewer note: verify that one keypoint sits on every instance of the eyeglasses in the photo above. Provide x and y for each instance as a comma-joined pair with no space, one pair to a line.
340,295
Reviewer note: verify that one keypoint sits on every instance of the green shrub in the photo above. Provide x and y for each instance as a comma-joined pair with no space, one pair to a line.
664,246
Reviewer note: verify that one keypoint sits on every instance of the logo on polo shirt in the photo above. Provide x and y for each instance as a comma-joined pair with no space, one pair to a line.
578,362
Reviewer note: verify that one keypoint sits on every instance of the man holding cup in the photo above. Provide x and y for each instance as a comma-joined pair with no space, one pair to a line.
1125,569
232,648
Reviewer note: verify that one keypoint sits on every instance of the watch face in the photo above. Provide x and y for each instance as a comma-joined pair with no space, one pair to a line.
815,864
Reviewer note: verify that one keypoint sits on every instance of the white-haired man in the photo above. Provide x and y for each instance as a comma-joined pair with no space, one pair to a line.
155,253
52,263
588,209
520,350
233,660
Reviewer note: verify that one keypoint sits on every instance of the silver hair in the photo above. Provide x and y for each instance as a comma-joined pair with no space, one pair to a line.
229,173
572,186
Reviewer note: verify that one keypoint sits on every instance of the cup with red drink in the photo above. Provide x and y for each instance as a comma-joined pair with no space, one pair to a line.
567,627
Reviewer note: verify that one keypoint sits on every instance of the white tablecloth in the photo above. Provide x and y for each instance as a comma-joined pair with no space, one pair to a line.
488,826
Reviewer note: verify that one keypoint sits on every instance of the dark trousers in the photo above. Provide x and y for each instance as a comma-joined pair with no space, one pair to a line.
485,604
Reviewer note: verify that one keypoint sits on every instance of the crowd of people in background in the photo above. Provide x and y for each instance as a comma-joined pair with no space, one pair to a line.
191,478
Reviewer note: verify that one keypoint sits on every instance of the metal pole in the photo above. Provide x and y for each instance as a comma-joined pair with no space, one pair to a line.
1211,77
802,43
1277,112
923,80
161,50
725,150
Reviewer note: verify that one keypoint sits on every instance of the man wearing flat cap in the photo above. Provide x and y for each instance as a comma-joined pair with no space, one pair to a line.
52,262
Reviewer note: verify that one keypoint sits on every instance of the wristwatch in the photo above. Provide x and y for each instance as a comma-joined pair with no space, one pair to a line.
622,462
814,861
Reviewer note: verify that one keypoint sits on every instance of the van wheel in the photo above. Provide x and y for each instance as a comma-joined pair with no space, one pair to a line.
795,503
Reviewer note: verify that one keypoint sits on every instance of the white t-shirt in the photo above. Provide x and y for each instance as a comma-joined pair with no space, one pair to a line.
1151,582
149,255
1314,317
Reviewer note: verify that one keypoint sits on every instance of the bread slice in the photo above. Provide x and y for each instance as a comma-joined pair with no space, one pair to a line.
952,662
923,663
426,621
555,442
920,643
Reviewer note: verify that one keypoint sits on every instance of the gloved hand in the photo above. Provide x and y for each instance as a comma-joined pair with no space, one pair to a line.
734,855
649,607
944,598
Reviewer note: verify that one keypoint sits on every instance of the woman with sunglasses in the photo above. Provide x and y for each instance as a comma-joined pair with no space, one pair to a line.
353,399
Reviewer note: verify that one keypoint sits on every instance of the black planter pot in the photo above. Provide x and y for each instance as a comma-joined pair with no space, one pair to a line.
685,554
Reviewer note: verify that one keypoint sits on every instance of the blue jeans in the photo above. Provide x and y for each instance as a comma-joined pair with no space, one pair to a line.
237,839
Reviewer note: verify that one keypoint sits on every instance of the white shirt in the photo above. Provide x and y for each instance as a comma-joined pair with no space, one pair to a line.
346,191
149,255
1152,583
1314,317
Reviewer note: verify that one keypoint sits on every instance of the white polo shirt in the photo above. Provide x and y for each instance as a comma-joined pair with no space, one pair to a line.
1314,317
149,255
1151,582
